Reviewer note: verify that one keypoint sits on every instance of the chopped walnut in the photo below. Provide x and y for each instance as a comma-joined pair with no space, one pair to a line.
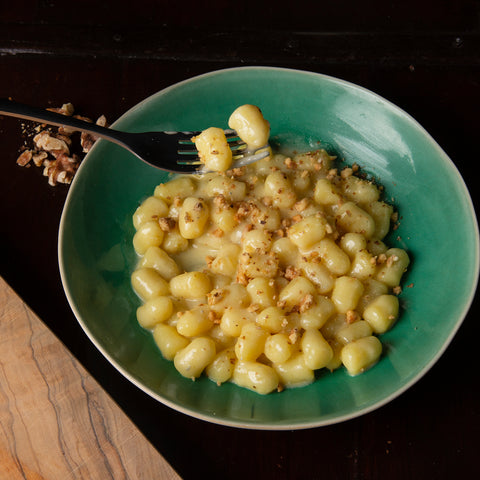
102,121
243,211
46,141
291,272
66,109
220,202
61,170
38,158
167,224
293,336
214,317
332,174
351,316
236,172
391,260
252,181
66,138
24,158
306,303
382,258
87,140
198,206
346,172
301,205
52,149
215,296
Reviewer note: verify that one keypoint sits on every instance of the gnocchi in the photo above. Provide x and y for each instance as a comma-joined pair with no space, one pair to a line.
213,149
264,274
251,126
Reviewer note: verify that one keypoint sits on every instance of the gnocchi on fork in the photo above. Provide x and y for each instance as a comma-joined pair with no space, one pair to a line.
218,154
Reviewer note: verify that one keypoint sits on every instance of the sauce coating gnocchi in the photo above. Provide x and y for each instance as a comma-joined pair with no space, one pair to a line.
264,274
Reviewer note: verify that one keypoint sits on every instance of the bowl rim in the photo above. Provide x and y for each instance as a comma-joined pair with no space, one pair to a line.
265,425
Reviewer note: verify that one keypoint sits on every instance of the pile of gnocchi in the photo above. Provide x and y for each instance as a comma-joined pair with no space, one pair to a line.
267,274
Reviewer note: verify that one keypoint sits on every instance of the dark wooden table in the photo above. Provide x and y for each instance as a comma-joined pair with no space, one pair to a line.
104,57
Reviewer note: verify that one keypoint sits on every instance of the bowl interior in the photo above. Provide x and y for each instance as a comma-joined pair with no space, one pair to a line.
305,111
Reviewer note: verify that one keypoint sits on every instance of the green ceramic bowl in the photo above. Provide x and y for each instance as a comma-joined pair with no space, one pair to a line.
438,227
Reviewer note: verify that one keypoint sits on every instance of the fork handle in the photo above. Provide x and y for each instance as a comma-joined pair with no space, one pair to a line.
19,110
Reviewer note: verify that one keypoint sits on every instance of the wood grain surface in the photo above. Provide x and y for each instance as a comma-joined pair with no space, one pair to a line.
56,422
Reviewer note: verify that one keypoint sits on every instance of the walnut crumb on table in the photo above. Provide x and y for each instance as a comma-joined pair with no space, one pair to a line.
53,148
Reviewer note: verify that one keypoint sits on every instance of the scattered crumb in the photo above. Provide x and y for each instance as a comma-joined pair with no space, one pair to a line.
58,150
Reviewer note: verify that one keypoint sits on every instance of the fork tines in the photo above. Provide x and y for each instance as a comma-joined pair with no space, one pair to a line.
187,146
189,154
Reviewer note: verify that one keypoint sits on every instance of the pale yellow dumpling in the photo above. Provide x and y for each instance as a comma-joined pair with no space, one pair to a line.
264,275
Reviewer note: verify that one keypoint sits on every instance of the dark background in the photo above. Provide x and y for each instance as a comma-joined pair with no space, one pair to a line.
104,57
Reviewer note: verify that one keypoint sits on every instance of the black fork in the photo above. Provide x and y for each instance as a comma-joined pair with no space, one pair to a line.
170,151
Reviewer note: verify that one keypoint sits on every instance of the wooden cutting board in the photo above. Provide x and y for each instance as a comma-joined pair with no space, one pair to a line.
56,422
